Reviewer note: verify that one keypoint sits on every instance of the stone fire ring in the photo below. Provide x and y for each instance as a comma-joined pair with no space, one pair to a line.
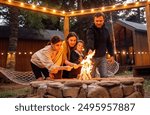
115,87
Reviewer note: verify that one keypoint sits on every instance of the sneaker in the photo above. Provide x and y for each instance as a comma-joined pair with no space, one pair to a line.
39,79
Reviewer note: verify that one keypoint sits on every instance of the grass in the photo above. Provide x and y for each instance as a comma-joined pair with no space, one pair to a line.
15,92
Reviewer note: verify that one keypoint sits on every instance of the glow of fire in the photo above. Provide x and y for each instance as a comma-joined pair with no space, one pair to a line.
86,69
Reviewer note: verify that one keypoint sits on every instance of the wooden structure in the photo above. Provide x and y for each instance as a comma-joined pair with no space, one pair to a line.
132,45
29,41
66,16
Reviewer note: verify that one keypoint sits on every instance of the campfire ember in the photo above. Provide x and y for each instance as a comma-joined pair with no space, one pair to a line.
86,69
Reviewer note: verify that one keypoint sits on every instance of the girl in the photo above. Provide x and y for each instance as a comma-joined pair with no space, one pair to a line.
69,45
76,57
48,60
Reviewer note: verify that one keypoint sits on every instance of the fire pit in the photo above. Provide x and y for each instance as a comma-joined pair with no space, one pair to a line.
116,87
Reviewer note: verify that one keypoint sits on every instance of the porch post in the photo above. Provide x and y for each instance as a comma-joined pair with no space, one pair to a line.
66,26
148,24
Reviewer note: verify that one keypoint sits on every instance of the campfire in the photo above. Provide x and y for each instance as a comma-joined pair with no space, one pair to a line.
86,69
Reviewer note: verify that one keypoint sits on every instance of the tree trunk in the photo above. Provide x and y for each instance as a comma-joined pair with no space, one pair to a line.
13,38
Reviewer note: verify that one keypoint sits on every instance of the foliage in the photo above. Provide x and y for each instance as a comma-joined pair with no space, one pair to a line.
147,85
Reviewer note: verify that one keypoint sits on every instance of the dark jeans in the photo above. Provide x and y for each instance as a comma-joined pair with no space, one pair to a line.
39,71
101,64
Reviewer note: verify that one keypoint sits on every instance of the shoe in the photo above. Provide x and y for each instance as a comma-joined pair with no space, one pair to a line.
39,79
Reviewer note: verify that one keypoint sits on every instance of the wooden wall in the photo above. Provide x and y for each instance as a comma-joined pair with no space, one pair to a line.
27,46
142,56
3,50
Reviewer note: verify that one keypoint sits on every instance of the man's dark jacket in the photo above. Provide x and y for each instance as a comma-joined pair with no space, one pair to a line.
99,39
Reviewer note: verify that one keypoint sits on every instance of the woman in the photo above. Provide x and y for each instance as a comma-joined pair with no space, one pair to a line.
48,60
76,57
69,45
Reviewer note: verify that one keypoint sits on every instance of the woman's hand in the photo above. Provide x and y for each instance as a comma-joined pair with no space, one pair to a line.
54,70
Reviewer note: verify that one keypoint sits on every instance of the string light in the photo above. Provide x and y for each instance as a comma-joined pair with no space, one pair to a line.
72,12
54,11
25,53
22,4
137,3
9,1
92,10
82,11
125,5
123,52
19,53
2,53
114,6
30,52
103,8
63,12
44,8
33,6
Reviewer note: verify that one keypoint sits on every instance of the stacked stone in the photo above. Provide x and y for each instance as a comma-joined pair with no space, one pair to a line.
131,87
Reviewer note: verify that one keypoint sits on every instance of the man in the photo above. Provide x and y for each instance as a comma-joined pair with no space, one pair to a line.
98,39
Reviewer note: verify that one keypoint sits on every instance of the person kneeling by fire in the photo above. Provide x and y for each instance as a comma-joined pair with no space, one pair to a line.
48,61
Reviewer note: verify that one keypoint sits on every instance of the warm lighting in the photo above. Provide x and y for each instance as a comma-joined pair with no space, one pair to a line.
137,3
54,11
82,11
33,6
63,12
142,52
113,6
103,8
30,52
92,10
115,52
44,9
25,53
14,53
123,52
22,4
72,12
9,1
139,52
19,53
2,53
125,5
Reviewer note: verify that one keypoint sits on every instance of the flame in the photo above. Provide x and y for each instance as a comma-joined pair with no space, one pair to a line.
86,69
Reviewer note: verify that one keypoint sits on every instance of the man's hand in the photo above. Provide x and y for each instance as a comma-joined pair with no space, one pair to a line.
90,51
111,60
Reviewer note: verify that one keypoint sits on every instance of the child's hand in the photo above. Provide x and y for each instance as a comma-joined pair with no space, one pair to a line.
68,68
76,66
